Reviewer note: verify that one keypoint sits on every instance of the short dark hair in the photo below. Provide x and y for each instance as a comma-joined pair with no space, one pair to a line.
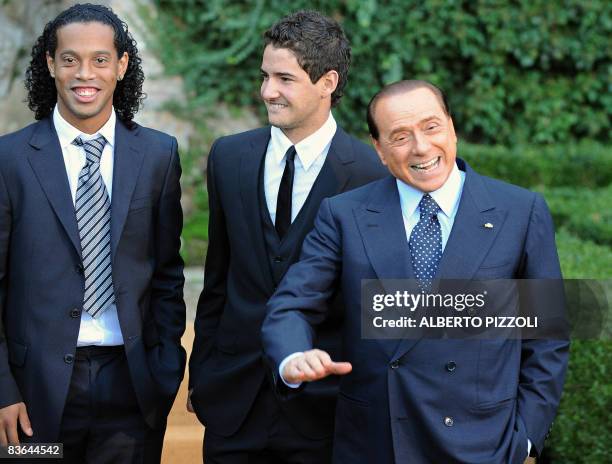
402,87
42,94
319,44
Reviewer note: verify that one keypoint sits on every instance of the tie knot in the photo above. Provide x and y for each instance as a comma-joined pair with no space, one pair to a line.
290,154
428,206
93,148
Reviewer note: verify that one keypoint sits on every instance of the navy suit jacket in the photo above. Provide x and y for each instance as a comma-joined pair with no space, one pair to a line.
226,368
395,404
41,273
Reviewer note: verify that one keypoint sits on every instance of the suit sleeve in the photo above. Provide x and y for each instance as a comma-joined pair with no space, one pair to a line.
543,362
213,296
9,392
300,302
167,304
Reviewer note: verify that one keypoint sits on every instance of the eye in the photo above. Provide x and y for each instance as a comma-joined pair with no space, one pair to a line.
69,60
264,76
286,79
101,60
432,126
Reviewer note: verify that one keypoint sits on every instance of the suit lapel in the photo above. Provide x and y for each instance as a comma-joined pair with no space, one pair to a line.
251,160
128,159
384,236
382,229
470,240
334,174
48,165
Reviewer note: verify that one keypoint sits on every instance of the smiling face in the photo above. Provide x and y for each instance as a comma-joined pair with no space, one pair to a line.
417,140
294,103
86,68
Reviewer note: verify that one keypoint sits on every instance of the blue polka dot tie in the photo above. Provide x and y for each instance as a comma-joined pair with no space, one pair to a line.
426,243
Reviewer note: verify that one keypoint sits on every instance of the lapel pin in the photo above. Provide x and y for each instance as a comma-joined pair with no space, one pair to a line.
488,225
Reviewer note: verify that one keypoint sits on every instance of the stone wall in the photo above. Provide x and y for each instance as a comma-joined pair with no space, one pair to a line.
22,21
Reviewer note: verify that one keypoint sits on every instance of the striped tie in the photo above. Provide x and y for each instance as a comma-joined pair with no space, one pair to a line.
92,207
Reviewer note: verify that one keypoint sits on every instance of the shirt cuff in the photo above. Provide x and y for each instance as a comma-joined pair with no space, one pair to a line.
282,366
528,446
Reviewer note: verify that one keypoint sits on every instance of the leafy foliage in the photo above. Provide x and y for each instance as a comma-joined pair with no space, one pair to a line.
526,71
578,165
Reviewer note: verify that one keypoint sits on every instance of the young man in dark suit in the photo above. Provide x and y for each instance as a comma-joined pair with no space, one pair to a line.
264,188
91,280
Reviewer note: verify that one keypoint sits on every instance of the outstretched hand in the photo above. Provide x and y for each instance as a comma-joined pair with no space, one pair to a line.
313,365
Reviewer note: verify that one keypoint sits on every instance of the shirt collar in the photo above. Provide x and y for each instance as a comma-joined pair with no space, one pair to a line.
66,132
309,149
447,197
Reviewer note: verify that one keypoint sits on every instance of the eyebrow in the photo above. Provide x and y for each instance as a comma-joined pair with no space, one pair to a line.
97,52
422,121
430,118
280,74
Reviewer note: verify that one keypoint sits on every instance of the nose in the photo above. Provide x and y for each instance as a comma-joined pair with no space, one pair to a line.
421,143
269,90
85,71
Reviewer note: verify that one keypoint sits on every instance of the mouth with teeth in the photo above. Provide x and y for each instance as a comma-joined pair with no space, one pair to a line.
426,166
275,106
85,94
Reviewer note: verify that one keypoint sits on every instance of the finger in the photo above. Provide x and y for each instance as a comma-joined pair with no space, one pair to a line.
24,420
340,368
11,433
3,439
189,406
324,358
292,374
304,367
315,364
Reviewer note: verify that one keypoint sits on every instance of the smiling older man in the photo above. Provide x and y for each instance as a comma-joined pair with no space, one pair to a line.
422,401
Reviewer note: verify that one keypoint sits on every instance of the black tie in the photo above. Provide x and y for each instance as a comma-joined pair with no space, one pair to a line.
285,190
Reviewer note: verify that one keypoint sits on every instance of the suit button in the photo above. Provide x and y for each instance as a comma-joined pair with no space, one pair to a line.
69,358
278,259
451,366
448,421
395,364
75,313
79,268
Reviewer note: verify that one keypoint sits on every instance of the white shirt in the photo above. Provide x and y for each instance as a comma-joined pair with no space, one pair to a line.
311,154
105,329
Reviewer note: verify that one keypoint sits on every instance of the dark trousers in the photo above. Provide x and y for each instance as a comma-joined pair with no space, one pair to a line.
265,437
102,422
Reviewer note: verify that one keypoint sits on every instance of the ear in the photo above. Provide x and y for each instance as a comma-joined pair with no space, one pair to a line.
122,65
328,83
451,129
50,65
378,149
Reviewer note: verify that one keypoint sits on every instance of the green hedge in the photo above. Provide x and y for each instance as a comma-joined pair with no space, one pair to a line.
526,71
583,164
585,213
581,431
582,259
